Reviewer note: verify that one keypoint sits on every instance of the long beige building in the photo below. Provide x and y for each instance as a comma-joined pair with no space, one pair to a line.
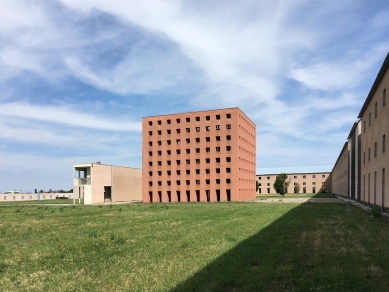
99,183
364,157
204,156
314,182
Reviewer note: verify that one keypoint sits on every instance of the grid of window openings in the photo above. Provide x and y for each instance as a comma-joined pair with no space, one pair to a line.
199,156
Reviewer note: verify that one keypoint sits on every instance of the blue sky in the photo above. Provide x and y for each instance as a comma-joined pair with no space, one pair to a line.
76,77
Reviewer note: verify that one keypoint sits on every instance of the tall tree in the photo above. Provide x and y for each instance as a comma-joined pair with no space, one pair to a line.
297,188
280,184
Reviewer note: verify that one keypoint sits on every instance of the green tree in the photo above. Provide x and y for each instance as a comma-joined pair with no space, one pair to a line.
280,184
256,185
297,188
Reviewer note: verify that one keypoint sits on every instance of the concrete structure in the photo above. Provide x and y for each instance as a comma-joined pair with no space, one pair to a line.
309,182
99,183
205,156
32,196
367,161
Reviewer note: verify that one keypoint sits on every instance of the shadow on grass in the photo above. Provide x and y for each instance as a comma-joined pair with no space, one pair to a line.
314,247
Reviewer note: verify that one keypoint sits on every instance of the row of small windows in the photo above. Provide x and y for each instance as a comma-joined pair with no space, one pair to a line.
178,151
178,172
178,141
22,197
178,121
295,177
244,140
246,121
187,130
187,182
375,110
375,150
188,196
207,160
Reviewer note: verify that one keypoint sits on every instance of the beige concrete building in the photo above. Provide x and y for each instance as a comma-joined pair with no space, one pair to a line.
205,156
364,158
309,182
99,183
32,196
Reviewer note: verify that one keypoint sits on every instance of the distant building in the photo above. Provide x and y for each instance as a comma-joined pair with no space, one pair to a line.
99,183
315,182
7,197
204,156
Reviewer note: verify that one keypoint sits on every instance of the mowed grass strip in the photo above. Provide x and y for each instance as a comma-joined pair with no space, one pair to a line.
307,195
193,247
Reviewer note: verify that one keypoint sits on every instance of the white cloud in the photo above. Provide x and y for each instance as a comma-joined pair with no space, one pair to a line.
66,115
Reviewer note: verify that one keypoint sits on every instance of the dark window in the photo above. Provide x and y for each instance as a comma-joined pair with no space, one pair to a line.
178,141
217,117
228,159
375,150
228,137
197,150
187,120
207,139
178,121
188,182
228,148
217,159
217,127
207,160
197,129
188,161
178,131
150,123
150,183
169,172
208,118
169,162
197,119
178,151
197,181
187,130
217,138
169,142
217,149
188,171
150,133
383,144
169,122
159,163
159,152
150,173
228,180
217,170
303,176
207,181
150,153
169,152
168,182
228,116
169,131
368,155
197,161
364,157
178,172
207,170
159,122
159,132
207,149
150,143
160,143
228,170
178,182
178,162
218,181
188,140
187,151
208,128
159,183
369,119
313,176
364,126
150,163
384,98
197,140
197,171
228,126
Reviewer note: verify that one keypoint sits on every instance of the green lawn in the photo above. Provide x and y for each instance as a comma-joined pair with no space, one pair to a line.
193,247
318,195
39,202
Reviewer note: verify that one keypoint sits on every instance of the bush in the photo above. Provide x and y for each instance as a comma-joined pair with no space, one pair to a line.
61,197
376,211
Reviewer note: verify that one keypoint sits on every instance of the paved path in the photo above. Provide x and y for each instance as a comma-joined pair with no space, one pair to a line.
299,200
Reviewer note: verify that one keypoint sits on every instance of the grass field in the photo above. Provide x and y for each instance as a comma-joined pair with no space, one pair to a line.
318,195
40,202
193,247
